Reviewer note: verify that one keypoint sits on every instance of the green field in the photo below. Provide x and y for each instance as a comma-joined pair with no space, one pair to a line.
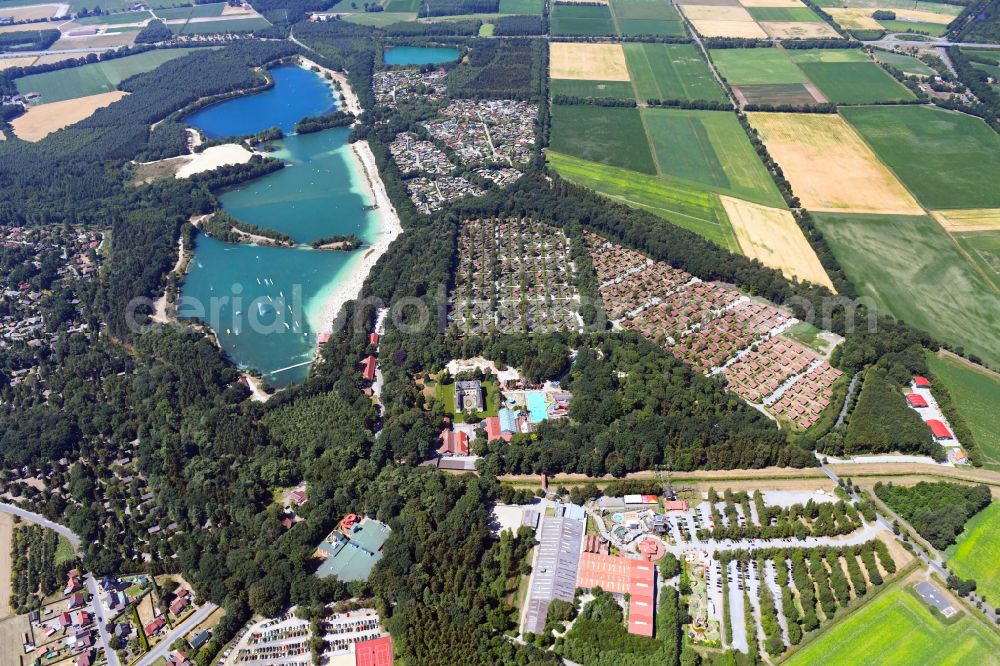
976,394
234,25
512,6
977,551
693,209
671,71
947,159
750,66
904,63
94,78
983,248
609,135
709,149
77,5
581,20
911,269
791,14
994,56
897,628
826,55
932,29
595,89
647,17
380,19
196,11
114,19
855,82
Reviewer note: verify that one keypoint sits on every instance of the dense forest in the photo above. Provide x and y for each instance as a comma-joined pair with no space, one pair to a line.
937,511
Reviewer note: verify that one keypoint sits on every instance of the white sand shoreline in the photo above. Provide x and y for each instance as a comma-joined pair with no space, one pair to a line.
350,99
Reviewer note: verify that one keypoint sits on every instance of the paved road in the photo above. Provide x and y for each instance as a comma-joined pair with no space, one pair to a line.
101,613
162,649
43,521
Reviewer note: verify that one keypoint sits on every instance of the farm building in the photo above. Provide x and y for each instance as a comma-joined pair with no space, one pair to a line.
916,400
921,382
939,430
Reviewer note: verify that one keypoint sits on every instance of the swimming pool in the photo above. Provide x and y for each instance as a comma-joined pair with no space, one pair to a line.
538,407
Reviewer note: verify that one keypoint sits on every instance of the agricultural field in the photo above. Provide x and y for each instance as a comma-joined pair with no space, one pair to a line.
709,149
932,29
94,78
855,82
977,550
76,5
671,72
716,20
947,159
115,19
897,628
911,269
756,66
20,11
42,120
510,6
771,236
220,26
975,392
587,62
194,11
612,136
786,14
852,179
685,206
983,249
592,89
581,20
647,17
904,63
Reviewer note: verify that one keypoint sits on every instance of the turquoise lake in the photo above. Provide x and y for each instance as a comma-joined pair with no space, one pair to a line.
267,304
419,55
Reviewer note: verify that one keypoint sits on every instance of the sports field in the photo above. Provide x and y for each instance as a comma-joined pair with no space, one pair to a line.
896,628
691,208
711,150
851,178
671,71
588,62
912,270
98,77
771,236
581,20
977,551
975,393
947,159
756,66
609,135
904,63
855,82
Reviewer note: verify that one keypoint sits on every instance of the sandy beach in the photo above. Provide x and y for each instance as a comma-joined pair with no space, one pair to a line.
350,288
215,157
350,99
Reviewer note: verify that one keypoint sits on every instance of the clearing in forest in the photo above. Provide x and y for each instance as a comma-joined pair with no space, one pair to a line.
849,177
40,121
771,236
588,62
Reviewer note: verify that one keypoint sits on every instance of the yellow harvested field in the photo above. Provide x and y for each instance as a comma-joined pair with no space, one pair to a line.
26,61
829,166
587,62
853,18
772,237
40,121
798,29
716,13
748,30
772,3
922,16
23,27
33,12
979,219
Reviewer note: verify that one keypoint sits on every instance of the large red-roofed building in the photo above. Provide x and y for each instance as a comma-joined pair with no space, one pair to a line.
621,575
939,430
368,368
921,382
376,652
916,400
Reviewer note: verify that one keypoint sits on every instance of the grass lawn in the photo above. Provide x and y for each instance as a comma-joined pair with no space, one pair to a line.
976,394
855,82
691,208
750,66
595,89
808,335
581,20
64,551
977,551
904,63
947,159
486,30
896,628
671,71
789,14
96,77
609,135
911,269
710,149
515,6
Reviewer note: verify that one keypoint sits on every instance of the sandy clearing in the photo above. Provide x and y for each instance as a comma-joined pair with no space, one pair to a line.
34,12
829,166
744,29
923,16
798,29
229,10
26,61
816,93
716,13
772,237
853,18
587,62
978,219
213,158
40,121
6,543
772,3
